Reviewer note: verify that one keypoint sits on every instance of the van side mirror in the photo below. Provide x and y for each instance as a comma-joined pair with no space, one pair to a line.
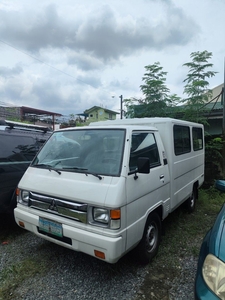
143,165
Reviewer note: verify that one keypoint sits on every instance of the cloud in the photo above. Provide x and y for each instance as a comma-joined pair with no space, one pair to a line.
93,81
101,35
10,72
103,48
85,62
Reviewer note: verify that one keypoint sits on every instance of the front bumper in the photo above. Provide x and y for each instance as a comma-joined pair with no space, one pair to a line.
80,239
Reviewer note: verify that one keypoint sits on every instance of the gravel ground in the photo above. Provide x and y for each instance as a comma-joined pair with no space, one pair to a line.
72,275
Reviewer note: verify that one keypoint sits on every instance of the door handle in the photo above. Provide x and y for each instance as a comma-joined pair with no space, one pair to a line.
161,177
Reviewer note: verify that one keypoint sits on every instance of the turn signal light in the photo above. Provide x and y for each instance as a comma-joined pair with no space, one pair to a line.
21,224
99,254
17,192
115,214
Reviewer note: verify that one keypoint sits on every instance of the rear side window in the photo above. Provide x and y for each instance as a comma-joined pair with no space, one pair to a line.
143,145
197,137
182,141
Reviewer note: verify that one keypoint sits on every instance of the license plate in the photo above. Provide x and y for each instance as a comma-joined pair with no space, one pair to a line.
50,227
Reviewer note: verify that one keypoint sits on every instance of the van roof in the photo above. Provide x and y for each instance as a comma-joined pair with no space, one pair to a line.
22,126
110,126
142,122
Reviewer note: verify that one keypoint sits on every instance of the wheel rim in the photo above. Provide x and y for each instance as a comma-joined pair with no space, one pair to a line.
151,237
192,200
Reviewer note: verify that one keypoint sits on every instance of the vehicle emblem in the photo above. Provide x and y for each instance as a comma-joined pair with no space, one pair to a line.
53,206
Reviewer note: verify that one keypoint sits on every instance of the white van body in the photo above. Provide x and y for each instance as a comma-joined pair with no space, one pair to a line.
139,172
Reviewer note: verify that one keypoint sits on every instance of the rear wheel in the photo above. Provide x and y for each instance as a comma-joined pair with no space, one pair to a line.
192,200
149,244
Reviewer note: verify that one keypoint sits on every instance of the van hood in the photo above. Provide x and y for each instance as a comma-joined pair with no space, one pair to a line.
78,187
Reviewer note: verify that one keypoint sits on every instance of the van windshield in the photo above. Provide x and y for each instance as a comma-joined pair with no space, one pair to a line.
97,151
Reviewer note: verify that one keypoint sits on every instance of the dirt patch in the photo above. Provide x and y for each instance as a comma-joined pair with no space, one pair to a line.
157,284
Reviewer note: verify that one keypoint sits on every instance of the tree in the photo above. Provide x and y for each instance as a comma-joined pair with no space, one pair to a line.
130,107
72,121
154,90
156,102
197,86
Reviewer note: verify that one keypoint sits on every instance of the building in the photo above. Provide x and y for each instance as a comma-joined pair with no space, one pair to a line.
24,113
214,112
97,113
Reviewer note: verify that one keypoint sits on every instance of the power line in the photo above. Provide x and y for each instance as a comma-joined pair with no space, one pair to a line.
50,66
39,60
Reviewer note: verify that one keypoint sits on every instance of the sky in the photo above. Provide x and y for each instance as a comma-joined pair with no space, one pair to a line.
68,56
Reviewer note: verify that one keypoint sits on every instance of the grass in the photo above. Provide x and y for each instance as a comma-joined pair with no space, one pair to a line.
184,232
12,277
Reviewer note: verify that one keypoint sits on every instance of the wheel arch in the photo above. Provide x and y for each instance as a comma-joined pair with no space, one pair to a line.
158,210
195,187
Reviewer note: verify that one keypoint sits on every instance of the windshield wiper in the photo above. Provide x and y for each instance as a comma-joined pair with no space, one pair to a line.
75,168
41,165
57,171
50,168
46,166
84,169
95,174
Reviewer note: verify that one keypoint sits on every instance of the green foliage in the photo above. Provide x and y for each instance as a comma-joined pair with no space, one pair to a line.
154,88
197,86
213,159
155,92
214,147
14,119
157,101
130,107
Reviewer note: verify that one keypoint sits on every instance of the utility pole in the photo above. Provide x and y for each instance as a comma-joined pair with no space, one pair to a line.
121,106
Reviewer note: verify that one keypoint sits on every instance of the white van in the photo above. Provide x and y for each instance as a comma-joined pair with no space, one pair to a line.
105,189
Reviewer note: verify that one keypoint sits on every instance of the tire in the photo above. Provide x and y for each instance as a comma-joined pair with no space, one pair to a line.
149,244
192,201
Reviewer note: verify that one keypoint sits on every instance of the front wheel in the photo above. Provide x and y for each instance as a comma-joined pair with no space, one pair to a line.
149,244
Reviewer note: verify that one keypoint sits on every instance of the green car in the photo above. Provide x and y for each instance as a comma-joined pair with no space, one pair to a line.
210,277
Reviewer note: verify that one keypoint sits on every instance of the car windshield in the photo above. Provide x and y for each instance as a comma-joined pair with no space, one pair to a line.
96,151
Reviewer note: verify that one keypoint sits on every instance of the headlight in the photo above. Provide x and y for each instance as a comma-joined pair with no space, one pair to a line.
23,197
213,272
101,215
106,218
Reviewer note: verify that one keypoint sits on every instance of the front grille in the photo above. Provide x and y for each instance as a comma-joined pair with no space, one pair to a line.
72,210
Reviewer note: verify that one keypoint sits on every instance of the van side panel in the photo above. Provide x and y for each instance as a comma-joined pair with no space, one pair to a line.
185,169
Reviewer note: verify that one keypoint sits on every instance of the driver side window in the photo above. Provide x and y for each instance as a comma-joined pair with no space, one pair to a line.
143,145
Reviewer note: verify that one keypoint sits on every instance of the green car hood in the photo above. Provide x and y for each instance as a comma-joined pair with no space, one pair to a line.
217,237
